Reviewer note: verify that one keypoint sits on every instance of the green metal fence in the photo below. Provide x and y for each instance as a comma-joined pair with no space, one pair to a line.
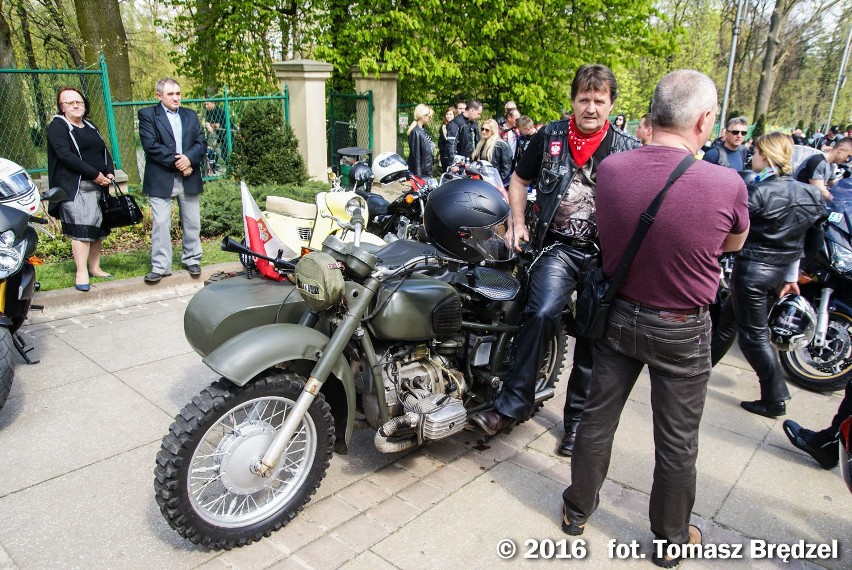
226,110
28,104
350,122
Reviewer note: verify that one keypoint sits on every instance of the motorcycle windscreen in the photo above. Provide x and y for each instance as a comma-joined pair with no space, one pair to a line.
487,241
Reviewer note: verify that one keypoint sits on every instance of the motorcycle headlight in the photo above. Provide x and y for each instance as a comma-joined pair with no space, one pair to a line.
11,254
841,258
355,203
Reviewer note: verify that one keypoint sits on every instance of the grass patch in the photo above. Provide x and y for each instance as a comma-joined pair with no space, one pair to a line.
60,273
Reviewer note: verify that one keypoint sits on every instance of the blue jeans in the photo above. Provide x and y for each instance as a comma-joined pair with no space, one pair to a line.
676,349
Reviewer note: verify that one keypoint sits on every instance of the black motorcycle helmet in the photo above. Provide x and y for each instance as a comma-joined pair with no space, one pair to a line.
792,323
463,218
361,176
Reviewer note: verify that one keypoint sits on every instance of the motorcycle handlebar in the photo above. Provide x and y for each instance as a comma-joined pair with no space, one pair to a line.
228,244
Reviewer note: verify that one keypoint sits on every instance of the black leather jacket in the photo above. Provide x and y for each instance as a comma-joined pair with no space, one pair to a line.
558,169
462,134
421,152
784,218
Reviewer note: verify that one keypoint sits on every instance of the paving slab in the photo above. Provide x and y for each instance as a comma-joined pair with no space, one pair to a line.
60,430
445,505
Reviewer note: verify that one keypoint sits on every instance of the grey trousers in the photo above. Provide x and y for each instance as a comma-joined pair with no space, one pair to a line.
190,223
676,349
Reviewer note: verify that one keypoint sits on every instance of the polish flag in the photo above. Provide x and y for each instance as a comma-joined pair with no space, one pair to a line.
259,236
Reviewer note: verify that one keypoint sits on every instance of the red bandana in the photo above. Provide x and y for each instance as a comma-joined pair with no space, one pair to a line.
584,146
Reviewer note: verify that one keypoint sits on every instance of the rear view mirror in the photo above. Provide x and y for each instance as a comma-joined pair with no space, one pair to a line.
55,194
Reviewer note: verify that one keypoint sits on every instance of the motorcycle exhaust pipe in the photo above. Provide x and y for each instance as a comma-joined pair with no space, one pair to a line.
385,432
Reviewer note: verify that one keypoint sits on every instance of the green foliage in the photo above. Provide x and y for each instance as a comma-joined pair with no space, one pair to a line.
221,203
759,127
801,124
812,128
265,148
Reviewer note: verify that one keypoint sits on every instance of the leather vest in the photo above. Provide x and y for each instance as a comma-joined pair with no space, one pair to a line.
557,169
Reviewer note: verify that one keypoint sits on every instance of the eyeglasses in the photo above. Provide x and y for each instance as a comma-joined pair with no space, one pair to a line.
738,133
73,103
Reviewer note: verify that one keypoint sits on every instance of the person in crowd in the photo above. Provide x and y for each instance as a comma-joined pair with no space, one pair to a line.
822,445
79,162
461,107
495,150
620,122
174,146
799,137
507,108
659,318
509,129
784,218
526,129
818,169
564,156
832,137
645,130
463,131
731,152
214,122
420,144
444,143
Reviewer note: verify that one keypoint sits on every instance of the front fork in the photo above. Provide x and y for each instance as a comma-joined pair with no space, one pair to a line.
822,317
359,300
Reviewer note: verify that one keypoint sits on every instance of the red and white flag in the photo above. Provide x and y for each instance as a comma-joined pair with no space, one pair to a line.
260,238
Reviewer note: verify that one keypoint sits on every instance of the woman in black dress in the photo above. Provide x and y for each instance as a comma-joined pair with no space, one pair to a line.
78,161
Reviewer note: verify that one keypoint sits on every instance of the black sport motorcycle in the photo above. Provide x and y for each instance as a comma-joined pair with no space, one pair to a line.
826,282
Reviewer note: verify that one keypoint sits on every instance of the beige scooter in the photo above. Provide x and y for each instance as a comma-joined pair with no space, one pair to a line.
302,226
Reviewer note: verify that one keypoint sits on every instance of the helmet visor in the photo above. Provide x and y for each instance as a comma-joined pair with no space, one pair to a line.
487,241
15,185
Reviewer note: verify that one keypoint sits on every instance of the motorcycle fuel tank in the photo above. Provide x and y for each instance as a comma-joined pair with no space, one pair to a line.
418,308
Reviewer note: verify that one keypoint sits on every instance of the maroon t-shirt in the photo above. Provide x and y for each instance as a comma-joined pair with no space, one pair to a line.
677,265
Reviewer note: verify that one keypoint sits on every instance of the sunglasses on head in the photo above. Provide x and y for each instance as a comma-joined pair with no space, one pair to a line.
738,133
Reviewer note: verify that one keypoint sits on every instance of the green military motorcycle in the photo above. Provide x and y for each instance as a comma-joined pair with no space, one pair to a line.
415,338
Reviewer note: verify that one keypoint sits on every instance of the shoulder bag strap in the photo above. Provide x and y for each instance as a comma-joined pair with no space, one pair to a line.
645,222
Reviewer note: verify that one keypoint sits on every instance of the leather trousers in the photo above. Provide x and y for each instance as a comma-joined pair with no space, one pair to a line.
753,292
554,277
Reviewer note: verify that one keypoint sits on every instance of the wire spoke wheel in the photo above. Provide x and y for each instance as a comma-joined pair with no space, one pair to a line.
207,481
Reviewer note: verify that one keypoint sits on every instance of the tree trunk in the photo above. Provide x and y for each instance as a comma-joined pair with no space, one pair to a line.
204,21
35,79
102,31
767,77
15,140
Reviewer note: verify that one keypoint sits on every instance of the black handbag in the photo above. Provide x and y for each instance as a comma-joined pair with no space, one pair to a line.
119,210
596,291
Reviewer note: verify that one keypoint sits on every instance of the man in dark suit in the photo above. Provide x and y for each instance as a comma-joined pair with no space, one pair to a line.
174,147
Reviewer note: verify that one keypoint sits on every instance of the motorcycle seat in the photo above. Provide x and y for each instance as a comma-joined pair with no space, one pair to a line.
398,252
290,207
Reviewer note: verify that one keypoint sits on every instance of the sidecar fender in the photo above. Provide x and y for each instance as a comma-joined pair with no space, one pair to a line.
246,355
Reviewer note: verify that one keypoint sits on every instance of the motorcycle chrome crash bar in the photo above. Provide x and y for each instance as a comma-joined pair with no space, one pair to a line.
822,317
320,373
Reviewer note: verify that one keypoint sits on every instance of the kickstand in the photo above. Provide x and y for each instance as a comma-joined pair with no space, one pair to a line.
23,349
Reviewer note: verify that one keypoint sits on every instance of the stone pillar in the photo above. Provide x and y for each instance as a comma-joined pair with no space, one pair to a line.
383,87
305,81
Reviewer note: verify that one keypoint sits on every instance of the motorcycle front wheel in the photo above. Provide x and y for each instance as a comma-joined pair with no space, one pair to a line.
205,481
7,364
827,368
